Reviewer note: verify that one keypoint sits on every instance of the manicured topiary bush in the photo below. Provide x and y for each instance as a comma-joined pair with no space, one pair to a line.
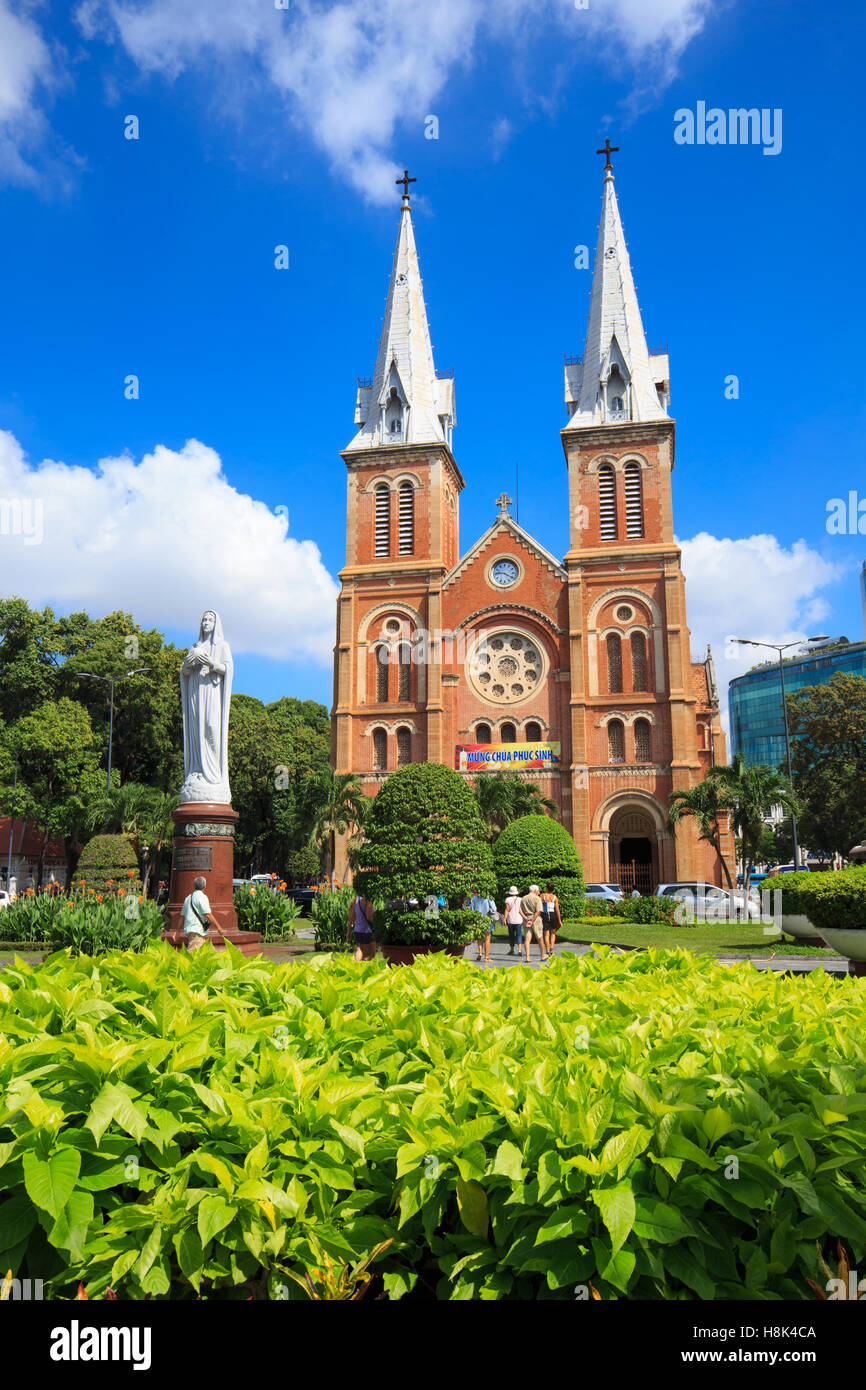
424,836
536,849
832,900
109,862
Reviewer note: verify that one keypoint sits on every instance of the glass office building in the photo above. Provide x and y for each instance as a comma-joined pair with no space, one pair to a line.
757,727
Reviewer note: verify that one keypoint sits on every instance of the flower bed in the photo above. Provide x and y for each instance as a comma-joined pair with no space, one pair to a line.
656,1126
266,911
86,921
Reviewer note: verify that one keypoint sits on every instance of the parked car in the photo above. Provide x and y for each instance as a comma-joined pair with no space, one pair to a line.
789,869
708,901
610,892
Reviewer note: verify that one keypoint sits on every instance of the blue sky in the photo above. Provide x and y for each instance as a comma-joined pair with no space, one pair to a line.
156,257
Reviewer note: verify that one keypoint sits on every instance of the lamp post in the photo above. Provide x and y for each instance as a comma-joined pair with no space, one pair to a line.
111,681
11,831
779,648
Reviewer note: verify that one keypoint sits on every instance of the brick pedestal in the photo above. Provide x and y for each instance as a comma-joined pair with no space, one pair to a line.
204,843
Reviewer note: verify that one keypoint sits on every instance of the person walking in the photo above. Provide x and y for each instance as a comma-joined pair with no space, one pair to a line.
551,918
197,916
487,908
513,920
530,911
360,926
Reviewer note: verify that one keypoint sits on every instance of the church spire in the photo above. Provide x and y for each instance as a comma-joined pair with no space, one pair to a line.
404,402
618,380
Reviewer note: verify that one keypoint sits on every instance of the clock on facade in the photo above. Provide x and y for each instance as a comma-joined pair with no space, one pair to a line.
504,573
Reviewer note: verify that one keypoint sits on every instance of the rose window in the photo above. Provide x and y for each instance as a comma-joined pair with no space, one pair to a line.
506,667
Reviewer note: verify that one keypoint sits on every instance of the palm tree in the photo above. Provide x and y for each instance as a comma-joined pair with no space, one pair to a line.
504,796
342,808
141,812
707,802
753,792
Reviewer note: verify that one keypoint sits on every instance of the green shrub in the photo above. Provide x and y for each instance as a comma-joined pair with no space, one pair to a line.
423,835
512,1133
302,865
645,910
409,926
116,924
108,861
330,912
267,911
31,917
831,900
536,849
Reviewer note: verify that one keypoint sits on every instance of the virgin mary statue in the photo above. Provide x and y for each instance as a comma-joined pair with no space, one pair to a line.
205,694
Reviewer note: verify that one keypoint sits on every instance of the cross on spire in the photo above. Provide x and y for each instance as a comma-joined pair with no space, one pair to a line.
503,502
608,150
406,182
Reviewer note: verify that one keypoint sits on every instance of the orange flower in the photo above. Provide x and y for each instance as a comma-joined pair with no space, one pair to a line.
69,904
121,892
108,881
130,873
141,897
99,897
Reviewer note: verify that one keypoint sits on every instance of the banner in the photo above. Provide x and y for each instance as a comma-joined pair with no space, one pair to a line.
506,757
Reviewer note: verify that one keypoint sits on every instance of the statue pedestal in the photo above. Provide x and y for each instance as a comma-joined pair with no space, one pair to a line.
204,842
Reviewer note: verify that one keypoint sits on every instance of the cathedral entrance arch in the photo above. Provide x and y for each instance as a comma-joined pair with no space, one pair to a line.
637,847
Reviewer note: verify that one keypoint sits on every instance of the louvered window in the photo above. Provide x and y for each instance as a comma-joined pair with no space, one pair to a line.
405,673
633,501
382,675
380,750
616,741
638,662
383,519
482,733
607,502
614,662
533,733
404,747
407,519
642,749
508,734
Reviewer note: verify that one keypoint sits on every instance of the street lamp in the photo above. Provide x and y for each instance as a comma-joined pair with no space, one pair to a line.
112,681
783,647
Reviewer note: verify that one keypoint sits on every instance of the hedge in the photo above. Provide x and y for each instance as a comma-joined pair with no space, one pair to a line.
108,861
536,849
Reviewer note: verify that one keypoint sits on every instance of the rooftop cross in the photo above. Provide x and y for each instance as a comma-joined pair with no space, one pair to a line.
503,502
608,150
406,182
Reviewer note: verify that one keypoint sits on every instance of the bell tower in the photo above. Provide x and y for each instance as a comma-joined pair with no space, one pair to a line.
402,538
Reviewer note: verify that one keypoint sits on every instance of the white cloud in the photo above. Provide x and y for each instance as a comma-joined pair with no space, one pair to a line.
26,70
350,72
752,587
163,539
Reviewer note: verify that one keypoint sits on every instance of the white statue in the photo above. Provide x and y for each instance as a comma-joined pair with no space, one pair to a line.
205,695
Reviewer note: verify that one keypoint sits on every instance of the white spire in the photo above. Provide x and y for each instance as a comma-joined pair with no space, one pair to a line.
405,403
618,381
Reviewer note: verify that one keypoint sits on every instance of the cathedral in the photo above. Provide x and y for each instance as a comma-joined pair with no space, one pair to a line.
575,672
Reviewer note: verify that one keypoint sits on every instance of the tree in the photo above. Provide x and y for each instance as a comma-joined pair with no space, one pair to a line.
59,772
505,796
536,849
753,791
342,809
828,753
708,802
424,834
141,813
255,754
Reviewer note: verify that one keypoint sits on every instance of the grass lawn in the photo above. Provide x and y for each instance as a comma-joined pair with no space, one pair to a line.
717,938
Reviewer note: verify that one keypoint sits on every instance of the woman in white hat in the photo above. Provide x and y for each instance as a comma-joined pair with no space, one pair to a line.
513,920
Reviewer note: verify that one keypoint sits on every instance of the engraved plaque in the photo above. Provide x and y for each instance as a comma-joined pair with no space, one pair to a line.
198,827
193,857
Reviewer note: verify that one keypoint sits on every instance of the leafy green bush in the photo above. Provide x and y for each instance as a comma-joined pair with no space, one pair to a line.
302,865
409,926
645,910
177,1125
330,912
115,924
31,917
536,849
108,861
264,910
423,835
830,900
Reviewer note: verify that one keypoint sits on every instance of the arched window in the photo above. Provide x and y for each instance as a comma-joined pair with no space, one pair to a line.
383,519
380,750
614,662
404,747
406,520
616,741
382,661
507,734
394,415
617,404
404,683
533,733
642,741
482,733
607,502
633,501
638,662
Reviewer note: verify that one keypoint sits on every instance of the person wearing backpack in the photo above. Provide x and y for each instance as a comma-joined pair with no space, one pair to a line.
487,908
360,925
513,920
551,920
